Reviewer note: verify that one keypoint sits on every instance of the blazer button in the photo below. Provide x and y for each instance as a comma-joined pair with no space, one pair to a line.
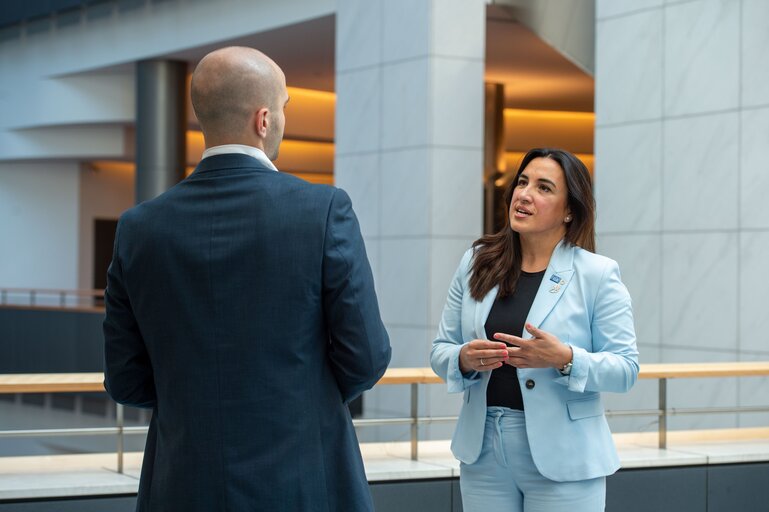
530,384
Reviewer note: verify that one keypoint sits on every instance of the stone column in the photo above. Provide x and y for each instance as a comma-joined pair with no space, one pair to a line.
161,88
409,151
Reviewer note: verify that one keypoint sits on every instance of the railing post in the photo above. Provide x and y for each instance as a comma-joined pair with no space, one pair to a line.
414,421
663,406
120,439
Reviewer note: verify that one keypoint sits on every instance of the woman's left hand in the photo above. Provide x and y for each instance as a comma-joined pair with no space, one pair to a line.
544,350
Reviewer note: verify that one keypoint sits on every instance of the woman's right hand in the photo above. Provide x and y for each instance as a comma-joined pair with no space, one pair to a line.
482,356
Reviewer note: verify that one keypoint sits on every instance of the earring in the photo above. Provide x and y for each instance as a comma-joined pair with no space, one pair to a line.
567,219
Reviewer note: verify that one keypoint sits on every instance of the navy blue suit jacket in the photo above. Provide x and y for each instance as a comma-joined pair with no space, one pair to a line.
241,309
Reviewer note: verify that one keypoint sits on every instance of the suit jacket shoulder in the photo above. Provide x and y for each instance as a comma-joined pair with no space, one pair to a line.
592,263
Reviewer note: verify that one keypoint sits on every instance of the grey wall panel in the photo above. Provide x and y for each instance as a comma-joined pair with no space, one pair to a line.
40,341
456,496
742,487
419,496
91,504
721,488
681,489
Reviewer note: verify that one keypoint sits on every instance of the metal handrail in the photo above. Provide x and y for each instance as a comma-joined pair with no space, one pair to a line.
34,295
90,382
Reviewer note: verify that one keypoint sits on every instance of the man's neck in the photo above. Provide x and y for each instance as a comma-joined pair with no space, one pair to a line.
244,149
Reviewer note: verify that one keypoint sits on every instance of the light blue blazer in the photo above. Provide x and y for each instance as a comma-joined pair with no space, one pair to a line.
565,422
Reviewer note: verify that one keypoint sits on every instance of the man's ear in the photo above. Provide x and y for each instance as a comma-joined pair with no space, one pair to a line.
262,121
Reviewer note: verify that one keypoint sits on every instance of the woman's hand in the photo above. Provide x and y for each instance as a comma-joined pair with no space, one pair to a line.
482,355
544,350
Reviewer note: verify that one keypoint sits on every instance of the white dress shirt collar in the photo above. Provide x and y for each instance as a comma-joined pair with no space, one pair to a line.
241,149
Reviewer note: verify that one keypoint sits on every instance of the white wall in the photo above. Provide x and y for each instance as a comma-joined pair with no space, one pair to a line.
104,194
682,127
39,225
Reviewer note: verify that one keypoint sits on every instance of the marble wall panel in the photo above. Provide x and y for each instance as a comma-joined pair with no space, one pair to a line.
701,172
457,28
405,185
628,178
702,56
628,74
359,175
701,392
410,349
441,403
358,34
406,104
753,392
607,8
456,192
753,318
358,116
404,268
755,41
405,29
445,258
644,395
456,102
754,166
638,257
699,292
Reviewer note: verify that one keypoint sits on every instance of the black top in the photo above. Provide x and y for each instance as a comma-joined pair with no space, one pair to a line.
508,315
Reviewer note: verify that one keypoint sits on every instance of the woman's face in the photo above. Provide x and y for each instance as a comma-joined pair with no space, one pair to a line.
539,206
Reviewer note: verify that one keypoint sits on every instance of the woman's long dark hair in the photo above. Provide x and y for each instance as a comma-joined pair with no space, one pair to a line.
497,259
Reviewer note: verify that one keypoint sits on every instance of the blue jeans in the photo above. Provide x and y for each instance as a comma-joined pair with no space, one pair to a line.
504,478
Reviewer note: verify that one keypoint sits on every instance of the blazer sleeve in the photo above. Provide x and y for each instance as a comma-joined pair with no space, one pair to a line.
128,376
613,363
444,356
359,347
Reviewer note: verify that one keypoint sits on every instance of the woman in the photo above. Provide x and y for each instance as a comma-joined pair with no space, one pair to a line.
535,326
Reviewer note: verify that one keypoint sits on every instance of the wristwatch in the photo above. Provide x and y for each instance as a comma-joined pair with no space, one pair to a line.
566,370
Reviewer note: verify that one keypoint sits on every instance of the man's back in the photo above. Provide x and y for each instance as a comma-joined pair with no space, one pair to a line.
241,307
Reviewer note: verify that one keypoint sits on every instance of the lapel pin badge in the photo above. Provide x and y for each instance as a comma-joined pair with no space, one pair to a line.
558,283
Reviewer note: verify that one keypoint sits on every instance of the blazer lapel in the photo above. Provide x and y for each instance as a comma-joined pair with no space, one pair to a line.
557,278
482,310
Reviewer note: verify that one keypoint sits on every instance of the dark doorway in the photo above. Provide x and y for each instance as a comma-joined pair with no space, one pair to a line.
103,240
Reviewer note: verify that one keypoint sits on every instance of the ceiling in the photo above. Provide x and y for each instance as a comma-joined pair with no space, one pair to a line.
535,75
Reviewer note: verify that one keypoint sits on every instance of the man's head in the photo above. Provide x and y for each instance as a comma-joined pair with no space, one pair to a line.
239,95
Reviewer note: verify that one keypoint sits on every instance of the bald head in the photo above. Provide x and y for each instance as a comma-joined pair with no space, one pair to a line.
238,95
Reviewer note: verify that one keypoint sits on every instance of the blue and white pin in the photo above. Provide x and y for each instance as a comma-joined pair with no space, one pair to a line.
558,283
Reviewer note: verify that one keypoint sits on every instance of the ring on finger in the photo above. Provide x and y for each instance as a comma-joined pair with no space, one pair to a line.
482,363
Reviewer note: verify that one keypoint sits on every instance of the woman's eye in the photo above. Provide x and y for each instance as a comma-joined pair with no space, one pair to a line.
521,183
544,188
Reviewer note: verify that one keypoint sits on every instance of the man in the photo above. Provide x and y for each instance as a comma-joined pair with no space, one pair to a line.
241,309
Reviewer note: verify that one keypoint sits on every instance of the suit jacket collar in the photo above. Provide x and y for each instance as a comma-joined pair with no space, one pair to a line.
230,161
557,278
555,281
